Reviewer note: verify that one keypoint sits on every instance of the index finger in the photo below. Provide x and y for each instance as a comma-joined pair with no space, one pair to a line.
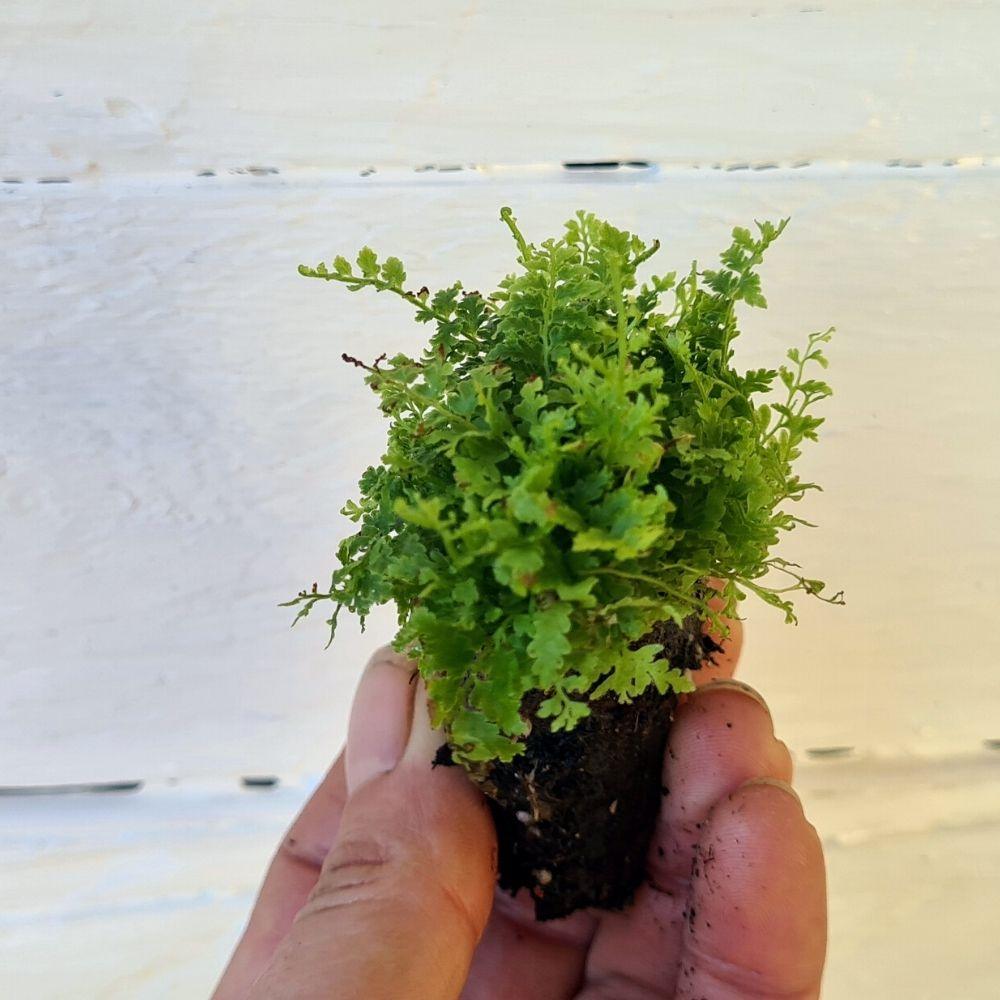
756,919
290,879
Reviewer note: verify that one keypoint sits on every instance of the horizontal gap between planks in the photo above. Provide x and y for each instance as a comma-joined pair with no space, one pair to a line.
983,761
570,171
76,788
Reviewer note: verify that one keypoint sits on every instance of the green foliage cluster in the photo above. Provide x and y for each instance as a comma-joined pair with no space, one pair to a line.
568,464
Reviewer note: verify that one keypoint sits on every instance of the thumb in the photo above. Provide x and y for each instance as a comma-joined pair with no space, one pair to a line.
404,893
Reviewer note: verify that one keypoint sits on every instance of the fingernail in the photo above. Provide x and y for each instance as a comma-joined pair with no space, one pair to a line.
728,684
380,720
425,740
773,783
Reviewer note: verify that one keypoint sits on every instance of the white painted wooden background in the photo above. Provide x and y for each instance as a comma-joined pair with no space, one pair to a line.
177,434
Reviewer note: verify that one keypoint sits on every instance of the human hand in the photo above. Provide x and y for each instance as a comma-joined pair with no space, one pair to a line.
383,886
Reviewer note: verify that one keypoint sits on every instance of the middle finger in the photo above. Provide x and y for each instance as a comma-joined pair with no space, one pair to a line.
721,738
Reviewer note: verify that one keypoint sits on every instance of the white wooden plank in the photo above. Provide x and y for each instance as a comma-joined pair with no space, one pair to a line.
109,86
178,434
913,853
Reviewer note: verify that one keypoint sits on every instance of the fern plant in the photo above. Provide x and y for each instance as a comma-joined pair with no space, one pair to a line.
569,460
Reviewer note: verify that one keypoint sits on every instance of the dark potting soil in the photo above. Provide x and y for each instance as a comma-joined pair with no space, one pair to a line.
574,813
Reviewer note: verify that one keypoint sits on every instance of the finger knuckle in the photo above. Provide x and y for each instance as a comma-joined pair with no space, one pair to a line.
354,871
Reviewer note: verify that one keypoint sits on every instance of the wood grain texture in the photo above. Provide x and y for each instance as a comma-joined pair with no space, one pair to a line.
179,434
99,87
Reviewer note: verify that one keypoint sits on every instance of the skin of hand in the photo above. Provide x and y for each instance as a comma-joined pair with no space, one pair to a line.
384,885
